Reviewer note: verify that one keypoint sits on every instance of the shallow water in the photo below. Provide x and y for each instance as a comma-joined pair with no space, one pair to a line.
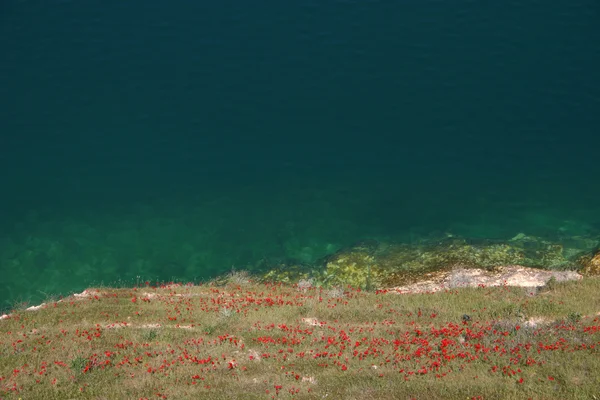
153,141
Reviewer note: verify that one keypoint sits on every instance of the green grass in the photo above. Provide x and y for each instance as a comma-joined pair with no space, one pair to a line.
245,340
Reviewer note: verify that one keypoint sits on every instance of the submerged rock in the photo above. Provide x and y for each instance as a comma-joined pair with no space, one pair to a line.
591,263
372,264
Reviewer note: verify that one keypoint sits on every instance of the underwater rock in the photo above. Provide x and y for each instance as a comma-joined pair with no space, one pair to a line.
591,264
372,264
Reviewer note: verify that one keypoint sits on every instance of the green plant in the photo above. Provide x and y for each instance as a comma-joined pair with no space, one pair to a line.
78,364
210,329
574,317
150,335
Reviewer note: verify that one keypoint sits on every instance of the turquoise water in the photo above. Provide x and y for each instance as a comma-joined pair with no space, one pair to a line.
149,140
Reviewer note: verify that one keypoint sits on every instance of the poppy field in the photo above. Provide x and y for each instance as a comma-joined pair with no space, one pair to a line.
249,340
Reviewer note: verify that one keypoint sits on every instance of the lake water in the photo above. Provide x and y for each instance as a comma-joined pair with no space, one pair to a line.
153,140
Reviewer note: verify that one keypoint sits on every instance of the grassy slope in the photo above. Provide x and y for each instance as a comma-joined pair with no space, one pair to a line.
245,340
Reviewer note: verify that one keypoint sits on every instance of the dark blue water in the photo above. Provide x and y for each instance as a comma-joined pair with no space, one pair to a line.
176,140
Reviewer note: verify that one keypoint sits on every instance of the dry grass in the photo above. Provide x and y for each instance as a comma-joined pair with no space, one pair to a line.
247,340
